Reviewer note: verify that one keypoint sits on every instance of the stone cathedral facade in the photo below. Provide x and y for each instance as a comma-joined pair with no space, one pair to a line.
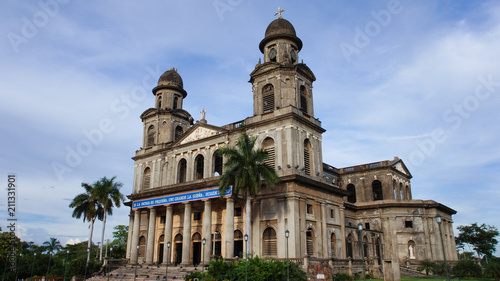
175,201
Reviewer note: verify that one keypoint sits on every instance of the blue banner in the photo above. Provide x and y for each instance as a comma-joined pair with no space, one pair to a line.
180,197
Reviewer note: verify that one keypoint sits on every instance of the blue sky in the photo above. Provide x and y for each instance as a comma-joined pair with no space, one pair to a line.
414,79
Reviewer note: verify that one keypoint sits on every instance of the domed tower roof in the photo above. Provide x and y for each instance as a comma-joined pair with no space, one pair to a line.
278,29
171,80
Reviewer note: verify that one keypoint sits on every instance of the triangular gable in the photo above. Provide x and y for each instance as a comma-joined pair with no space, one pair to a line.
200,132
401,167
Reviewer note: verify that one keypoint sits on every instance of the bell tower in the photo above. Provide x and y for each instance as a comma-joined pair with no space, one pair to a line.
167,121
281,81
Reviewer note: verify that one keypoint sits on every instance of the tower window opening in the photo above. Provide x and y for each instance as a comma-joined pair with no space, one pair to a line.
268,145
303,99
146,178
351,198
178,132
307,157
268,98
150,136
176,102
377,190
181,177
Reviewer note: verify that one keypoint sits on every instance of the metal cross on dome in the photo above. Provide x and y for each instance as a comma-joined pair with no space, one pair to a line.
278,13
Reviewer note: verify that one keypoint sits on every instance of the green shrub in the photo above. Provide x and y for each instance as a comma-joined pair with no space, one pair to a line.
468,269
342,277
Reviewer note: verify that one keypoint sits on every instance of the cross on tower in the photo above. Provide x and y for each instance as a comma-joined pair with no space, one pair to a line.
278,13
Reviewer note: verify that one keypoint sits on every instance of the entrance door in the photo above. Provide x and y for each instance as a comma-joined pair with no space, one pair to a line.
160,253
238,248
196,253
178,253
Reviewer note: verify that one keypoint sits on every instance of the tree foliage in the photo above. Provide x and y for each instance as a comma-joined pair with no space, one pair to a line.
480,237
467,269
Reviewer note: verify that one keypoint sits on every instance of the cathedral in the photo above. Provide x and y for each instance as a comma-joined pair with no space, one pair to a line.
336,217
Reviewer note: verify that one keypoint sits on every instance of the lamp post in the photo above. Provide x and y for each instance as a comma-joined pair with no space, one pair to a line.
204,241
287,234
33,266
360,228
439,220
168,260
246,258
66,264
136,262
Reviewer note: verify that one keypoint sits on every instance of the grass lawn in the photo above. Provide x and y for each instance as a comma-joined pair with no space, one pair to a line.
436,278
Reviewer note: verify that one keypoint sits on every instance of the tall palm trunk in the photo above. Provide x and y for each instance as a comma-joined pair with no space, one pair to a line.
248,227
91,227
102,238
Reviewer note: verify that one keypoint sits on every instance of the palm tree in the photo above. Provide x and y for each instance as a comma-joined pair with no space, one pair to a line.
245,170
88,207
51,247
107,193
428,266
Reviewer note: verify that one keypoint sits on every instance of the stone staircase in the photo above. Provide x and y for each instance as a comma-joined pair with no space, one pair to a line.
412,273
147,272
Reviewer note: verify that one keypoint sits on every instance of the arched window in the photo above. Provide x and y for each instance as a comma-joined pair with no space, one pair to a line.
365,247
181,176
351,198
401,193
394,184
151,136
238,244
146,178
199,165
217,164
378,250
176,102
377,190
307,157
303,99
178,132
269,243
268,98
268,145
333,245
310,242
349,245
159,101
142,246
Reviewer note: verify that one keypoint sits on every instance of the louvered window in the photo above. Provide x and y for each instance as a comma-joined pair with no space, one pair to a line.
307,157
268,98
146,178
268,145
151,136
309,242
269,241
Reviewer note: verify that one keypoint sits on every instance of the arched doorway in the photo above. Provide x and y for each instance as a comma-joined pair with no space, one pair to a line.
178,249
238,244
196,248
161,248
349,246
269,244
216,244
142,247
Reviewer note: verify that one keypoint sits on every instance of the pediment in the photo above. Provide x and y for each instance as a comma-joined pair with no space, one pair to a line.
200,132
401,167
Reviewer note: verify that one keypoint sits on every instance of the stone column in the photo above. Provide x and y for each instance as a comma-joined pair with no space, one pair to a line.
324,243
341,252
293,227
129,235
186,235
230,228
280,233
207,230
151,236
168,235
135,237
303,227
